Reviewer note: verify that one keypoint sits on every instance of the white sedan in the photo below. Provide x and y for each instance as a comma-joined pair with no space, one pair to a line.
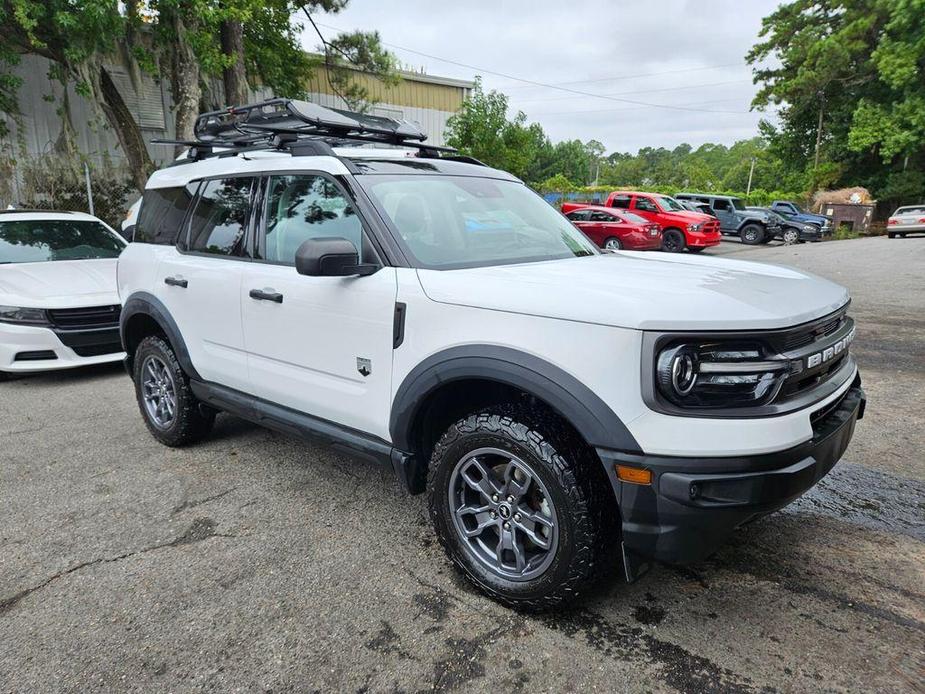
59,306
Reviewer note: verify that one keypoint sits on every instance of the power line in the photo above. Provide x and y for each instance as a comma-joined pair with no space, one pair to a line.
543,84
640,91
636,76
618,110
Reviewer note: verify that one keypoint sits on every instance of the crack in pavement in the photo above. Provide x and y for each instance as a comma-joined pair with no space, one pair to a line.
199,502
200,529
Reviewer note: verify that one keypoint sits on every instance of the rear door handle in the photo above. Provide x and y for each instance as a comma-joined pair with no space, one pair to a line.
176,282
266,295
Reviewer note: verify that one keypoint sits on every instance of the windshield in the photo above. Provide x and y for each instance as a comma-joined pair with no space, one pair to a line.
44,240
450,222
797,208
670,204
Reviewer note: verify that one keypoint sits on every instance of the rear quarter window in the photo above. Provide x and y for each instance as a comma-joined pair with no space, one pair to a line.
162,213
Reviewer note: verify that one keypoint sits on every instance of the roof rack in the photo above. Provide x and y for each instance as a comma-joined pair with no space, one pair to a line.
299,127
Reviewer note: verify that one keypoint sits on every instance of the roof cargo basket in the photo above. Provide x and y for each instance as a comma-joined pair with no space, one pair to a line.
289,124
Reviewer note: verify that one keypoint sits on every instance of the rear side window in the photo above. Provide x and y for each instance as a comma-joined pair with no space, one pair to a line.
621,201
219,221
162,213
598,216
578,215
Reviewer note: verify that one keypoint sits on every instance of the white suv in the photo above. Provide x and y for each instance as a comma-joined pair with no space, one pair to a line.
436,315
59,307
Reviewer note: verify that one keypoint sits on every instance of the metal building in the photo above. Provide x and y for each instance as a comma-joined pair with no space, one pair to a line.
426,100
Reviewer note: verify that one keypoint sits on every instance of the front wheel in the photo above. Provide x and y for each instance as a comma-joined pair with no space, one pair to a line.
171,411
514,506
791,236
752,234
673,241
613,244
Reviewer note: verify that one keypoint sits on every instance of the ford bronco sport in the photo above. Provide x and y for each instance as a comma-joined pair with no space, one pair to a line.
425,311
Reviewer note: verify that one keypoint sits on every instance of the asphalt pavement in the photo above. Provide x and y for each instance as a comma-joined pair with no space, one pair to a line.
256,562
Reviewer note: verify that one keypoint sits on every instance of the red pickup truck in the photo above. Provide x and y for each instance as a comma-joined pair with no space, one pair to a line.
681,228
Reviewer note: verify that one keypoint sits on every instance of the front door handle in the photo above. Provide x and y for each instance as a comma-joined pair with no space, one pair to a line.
176,282
266,295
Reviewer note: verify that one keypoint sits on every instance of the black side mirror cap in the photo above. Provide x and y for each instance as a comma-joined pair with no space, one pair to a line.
330,256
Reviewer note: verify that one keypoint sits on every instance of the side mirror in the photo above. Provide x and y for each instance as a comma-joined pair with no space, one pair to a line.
330,256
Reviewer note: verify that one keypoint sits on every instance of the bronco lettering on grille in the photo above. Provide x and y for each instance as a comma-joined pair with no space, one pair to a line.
830,352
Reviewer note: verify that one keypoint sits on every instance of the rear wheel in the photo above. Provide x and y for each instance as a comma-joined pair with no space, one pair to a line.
613,244
752,234
791,236
673,241
4,376
891,235
514,506
171,411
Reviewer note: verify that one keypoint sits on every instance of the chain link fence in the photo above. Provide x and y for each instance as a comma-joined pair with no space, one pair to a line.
56,182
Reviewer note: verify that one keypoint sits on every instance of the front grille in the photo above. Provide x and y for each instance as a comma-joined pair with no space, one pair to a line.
86,318
711,227
38,355
807,334
111,347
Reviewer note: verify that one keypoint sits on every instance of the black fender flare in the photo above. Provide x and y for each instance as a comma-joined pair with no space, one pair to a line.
597,423
149,305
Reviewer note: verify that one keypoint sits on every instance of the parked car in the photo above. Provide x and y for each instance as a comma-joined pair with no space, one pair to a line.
735,219
438,317
131,217
906,220
681,228
615,230
59,306
788,230
794,213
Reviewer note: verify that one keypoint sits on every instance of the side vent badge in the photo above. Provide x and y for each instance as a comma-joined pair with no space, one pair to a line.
364,366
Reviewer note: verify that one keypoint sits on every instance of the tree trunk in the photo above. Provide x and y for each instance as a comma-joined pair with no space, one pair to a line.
185,85
234,76
127,130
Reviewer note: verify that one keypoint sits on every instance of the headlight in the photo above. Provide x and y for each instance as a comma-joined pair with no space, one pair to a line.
26,316
810,227
694,227
705,375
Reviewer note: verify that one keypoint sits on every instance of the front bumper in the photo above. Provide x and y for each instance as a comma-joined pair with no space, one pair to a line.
694,504
699,239
32,349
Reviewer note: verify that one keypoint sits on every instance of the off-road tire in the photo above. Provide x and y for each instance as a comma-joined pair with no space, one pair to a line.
752,234
673,241
191,422
576,484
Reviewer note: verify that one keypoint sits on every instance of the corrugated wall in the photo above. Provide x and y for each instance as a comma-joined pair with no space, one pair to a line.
428,103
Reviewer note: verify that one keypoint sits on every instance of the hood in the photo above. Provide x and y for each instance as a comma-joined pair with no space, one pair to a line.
686,217
59,284
809,217
651,291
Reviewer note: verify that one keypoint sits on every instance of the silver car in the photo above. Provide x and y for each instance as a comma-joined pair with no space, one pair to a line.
907,220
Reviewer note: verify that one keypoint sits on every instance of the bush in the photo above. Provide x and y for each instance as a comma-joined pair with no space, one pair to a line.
844,232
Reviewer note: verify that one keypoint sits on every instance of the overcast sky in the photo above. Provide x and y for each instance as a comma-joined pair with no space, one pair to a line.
680,53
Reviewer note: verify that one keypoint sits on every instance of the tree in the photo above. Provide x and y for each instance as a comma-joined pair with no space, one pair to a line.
847,76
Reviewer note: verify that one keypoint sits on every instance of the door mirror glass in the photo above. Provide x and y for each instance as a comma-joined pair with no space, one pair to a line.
330,256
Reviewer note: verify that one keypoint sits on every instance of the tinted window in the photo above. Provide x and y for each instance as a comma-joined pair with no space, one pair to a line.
634,218
162,213
219,221
463,221
40,241
645,205
598,216
578,215
303,207
738,204
620,201
721,205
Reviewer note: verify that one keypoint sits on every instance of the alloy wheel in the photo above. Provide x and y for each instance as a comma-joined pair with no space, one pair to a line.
791,236
503,514
158,392
612,244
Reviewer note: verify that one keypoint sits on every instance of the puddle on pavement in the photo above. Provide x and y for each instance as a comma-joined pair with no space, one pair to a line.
866,497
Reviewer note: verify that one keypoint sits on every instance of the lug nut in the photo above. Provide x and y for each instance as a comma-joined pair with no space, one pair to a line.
507,526
510,499
494,497
517,517
494,515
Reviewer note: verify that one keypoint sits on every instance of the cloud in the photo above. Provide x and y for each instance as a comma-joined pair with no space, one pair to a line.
673,52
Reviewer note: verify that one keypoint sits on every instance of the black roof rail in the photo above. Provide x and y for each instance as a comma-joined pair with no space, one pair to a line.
33,210
300,127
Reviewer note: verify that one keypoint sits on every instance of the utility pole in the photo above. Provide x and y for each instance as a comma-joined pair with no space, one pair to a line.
751,171
819,133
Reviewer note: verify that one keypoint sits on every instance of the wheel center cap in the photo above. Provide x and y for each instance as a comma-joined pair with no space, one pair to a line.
504,511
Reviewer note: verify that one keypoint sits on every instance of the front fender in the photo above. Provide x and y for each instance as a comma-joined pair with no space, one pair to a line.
144,303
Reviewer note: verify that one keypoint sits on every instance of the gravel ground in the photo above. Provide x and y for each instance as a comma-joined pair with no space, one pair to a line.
257,562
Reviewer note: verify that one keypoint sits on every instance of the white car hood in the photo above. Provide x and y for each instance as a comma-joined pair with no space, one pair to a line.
59,284
646,291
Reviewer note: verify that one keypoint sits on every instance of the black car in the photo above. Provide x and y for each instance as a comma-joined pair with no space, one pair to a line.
791,231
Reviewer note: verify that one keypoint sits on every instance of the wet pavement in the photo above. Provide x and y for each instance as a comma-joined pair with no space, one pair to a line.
256,562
